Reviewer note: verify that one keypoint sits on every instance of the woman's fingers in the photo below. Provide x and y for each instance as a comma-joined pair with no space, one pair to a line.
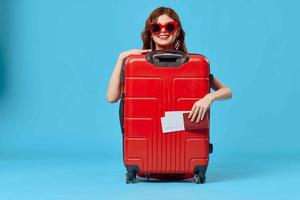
195,113
140,51
144,51
200,114
199,109
203,113
192,111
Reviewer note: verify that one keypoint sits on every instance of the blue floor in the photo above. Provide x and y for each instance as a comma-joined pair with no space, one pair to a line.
69,178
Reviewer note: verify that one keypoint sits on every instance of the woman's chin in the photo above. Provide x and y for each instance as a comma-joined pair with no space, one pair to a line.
164,45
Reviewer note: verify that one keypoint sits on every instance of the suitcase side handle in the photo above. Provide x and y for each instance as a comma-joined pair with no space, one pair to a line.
167,58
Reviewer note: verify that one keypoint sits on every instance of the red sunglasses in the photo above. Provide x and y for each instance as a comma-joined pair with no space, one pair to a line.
170,27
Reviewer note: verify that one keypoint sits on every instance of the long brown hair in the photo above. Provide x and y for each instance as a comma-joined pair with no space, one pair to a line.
146,34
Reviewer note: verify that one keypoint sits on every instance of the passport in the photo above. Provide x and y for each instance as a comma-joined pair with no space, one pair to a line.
202,124
179,121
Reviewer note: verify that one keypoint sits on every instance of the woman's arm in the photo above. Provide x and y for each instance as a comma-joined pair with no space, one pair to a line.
200,107
114,87
222,92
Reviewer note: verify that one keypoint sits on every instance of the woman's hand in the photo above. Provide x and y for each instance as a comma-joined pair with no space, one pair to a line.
200,107
114,87
133,52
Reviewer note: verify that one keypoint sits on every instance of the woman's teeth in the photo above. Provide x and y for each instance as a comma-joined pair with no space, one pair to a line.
163,37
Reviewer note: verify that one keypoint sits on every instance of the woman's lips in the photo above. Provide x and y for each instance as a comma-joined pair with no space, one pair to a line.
163,37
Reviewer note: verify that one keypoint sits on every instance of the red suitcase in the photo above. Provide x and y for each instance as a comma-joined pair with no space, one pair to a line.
153,83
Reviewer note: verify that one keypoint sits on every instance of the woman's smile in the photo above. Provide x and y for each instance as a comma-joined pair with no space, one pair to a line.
163,36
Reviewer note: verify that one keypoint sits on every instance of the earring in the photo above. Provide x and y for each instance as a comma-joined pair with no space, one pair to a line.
177,44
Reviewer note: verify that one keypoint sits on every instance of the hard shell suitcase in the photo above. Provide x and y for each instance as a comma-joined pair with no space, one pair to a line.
152,84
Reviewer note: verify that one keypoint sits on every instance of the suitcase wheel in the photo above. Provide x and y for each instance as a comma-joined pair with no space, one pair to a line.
199,179
130,177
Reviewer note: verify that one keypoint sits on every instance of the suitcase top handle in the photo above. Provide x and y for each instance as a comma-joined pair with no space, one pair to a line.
167,58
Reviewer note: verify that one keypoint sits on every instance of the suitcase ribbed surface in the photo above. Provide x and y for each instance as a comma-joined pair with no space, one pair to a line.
149,92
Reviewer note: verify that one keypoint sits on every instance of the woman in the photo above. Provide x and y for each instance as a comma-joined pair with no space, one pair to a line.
163,30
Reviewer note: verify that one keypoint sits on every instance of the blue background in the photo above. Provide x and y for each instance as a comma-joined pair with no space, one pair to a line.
60,139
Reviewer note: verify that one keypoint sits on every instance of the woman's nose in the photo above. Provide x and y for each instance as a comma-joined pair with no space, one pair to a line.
163,30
